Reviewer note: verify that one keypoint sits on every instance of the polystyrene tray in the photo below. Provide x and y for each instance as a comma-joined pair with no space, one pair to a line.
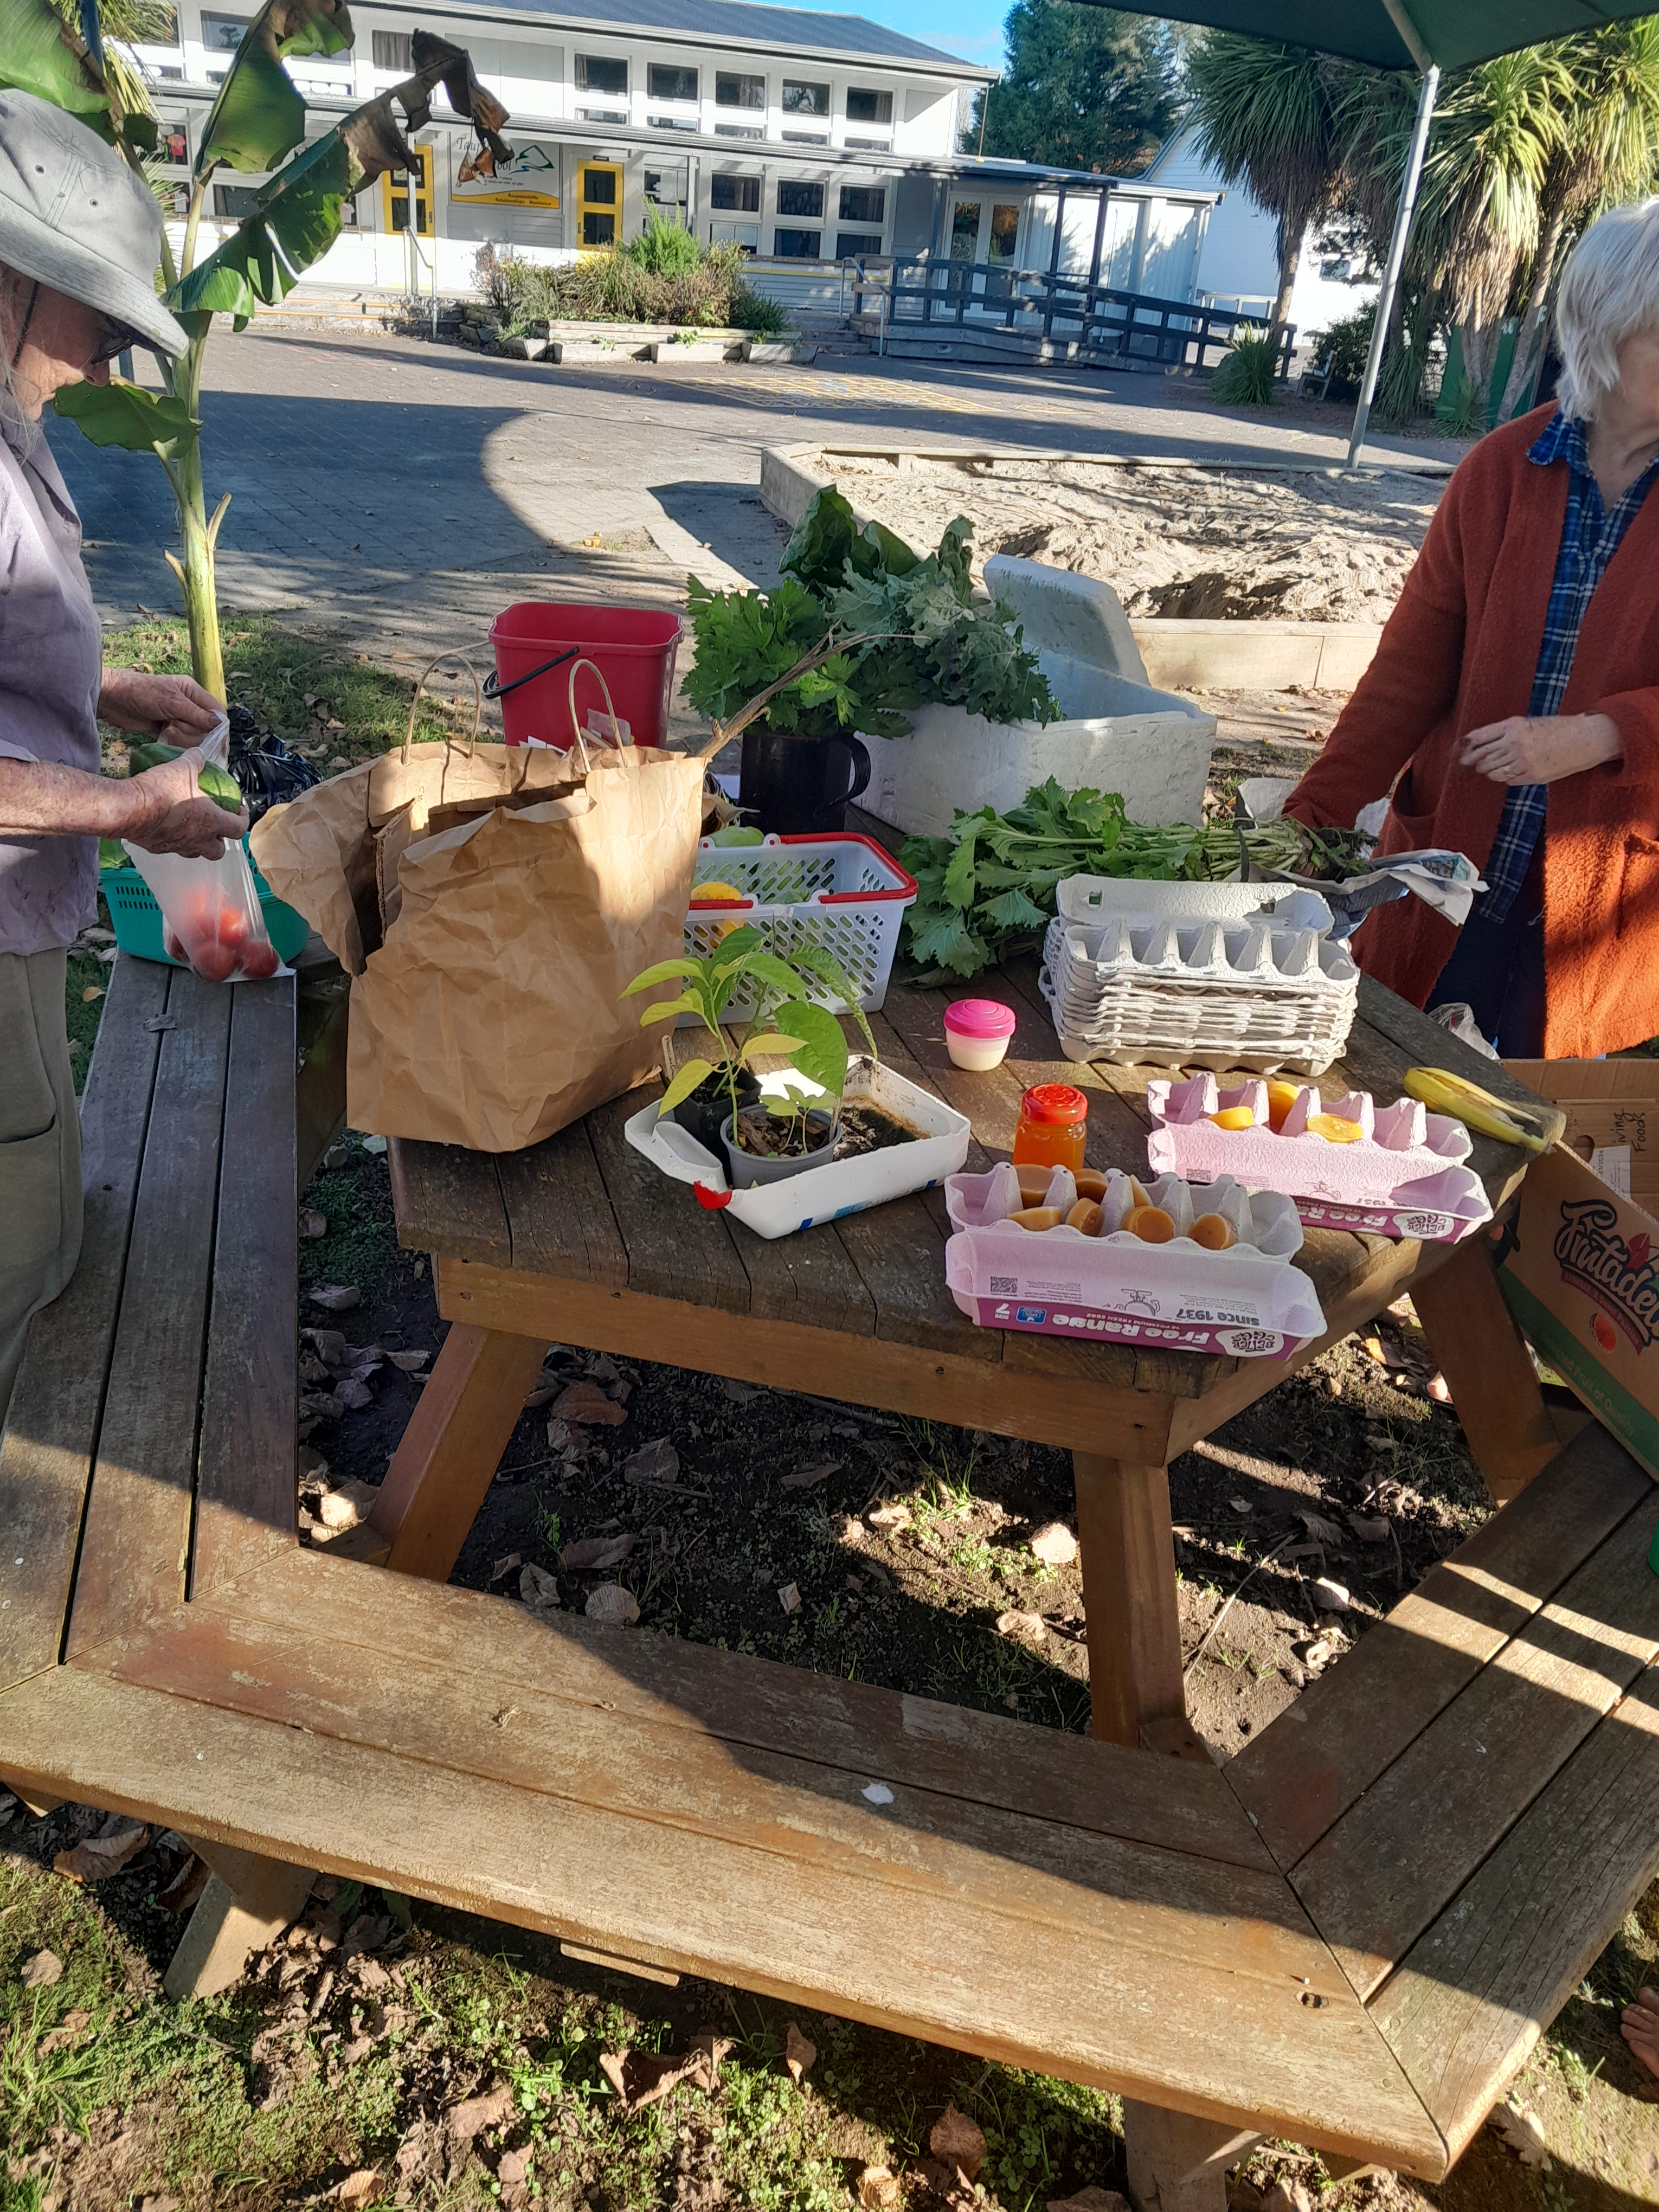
819,1194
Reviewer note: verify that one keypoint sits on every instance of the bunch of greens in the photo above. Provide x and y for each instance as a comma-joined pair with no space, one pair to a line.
910,634
988,890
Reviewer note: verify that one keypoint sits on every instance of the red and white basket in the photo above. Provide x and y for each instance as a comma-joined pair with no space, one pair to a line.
840,891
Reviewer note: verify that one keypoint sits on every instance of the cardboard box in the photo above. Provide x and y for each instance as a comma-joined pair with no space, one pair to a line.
1612,1108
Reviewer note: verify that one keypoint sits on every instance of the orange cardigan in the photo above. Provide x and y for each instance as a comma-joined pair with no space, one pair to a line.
1459,651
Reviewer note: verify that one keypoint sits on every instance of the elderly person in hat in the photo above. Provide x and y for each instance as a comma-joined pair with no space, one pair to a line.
80,238
1512,708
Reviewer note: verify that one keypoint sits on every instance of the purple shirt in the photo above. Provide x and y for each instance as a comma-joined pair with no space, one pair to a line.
52,658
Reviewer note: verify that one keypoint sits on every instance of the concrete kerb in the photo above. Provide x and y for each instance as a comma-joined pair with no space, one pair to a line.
1184,656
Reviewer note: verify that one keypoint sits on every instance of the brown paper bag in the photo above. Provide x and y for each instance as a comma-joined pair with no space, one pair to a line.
486,1010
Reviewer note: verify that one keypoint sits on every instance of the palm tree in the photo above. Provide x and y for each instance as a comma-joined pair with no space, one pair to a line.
1265,117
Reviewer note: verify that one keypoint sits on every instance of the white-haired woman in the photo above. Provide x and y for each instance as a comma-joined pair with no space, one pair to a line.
80,239
1513,705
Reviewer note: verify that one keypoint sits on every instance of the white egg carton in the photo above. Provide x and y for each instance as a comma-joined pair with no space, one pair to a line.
1404,1175
1206,975
1248,1301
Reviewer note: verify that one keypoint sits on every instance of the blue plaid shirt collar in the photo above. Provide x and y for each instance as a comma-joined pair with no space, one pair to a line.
1562,439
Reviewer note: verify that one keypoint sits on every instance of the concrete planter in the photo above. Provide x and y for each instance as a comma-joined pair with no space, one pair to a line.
698,350
590,353
778,351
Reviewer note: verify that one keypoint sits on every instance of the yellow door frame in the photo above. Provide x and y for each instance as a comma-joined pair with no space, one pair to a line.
425,211
612,207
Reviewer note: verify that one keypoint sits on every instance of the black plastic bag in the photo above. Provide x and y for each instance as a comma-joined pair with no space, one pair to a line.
269,772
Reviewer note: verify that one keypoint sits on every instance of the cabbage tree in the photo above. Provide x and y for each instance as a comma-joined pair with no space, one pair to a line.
256,124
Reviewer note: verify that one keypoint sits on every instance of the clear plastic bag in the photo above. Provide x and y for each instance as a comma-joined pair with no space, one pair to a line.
211,914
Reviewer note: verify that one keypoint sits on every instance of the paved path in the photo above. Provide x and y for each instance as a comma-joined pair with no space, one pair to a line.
410,490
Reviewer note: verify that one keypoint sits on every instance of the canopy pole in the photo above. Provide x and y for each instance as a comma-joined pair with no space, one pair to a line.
1402,223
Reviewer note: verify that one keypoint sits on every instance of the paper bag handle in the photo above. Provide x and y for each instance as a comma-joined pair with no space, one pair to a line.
575,669
420,686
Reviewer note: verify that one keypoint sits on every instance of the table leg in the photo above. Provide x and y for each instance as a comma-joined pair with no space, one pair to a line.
1488,1369
1177,2164
452,1447
1135,1683
248,1903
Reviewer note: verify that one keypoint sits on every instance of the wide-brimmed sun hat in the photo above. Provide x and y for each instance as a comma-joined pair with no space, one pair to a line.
75,217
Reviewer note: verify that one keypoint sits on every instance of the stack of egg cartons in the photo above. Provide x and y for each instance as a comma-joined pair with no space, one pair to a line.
1219,976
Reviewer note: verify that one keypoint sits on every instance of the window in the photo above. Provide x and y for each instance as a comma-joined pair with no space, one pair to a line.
602,114
737,195
801,99
868,145
671,122
666,189
797,198
964,230
222,34
807,137
737,131
849,244
665,83
1005,233
863,204
599,186
745,235
602,73
732,91
869,107
796,244
233,203
392,51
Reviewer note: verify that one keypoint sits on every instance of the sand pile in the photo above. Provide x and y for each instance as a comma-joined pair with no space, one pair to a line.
1211,545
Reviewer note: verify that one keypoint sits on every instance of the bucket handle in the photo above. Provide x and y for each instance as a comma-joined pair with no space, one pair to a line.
420,686
615,734
494,689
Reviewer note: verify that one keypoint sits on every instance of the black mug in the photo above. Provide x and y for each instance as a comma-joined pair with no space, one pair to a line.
799,787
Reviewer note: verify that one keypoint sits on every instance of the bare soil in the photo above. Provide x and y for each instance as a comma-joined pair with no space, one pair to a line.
1230,544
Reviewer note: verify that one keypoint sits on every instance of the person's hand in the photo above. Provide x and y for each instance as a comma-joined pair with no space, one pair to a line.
175,708
1523,751
169,815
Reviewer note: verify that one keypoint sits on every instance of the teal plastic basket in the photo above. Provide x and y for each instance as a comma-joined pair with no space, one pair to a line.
137,920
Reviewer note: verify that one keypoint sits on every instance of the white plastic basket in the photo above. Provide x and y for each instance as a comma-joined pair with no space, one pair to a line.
840,891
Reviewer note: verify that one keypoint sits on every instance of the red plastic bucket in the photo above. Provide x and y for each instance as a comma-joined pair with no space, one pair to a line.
634,647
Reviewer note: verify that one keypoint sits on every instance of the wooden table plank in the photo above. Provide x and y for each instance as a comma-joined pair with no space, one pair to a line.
961,1970
50,1436
676,1248
1321,1755
698,1689
1378,1878
559,1218
245,1509
135,1544
1468,2001
447,1199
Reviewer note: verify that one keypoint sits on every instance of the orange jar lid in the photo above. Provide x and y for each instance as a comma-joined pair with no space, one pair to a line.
1054,1102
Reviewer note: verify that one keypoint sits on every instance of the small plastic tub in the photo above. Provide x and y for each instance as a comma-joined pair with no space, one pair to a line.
976,1033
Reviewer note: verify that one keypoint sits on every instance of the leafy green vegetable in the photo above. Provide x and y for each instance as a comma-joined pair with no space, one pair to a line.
128,415
988,890
211,780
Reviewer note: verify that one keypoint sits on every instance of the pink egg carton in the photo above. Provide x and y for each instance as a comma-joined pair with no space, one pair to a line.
1248,1301
1403,1177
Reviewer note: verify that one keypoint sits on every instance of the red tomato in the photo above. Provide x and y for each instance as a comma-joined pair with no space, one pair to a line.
259,958
233,926
214,962
173,949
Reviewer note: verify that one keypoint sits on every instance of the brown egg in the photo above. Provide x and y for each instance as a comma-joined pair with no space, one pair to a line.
1087,1216
1213,1231
1037,1217
1150,1224
1033,1181
1090,1183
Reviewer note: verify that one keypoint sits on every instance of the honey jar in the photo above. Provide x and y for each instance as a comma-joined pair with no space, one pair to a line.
1051,1131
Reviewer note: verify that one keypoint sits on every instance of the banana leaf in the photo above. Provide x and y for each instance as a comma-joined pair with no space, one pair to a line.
260,117
41,54
127,416
296,218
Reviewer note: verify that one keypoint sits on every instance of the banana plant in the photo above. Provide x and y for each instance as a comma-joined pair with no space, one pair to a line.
256,124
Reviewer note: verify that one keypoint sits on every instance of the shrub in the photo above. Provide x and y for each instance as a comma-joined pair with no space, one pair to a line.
1341,352
664,275
1247,378
663,248
756,312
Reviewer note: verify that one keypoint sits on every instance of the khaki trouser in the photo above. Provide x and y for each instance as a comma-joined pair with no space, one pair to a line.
40,1150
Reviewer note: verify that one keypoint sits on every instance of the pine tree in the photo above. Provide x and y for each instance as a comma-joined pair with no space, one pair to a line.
1084,88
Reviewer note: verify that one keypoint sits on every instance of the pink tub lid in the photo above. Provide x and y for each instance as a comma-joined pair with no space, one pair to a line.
979,1017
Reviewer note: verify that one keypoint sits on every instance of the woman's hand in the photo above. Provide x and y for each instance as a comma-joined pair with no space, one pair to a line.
175,708
1523,751
170,814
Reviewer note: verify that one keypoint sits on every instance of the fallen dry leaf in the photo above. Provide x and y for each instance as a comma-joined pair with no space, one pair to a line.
957,2141
329,1344
799,2055
92,991
504,1566
1329,1596
1439,1390
99,1857
708,2049
360,2188
1054,1545
1374,1350
804,1477
69,2030
538,1589
1092,2199
40,1971
891,1517
1241,1505
789,1598
878,2188
613,1605
1321,1530
593,1554
1287,2195
656,1464
640,2077
149,2204
335,1298
1523,2131
182,1893
355,1394
1024,1627
1318,1656
313,1225
410,1362
741,1393
1368,1530
513,2171
586,1405
463,2121
347,1506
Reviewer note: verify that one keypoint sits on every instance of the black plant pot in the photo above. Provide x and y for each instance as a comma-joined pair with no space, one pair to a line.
800,786
706,1112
